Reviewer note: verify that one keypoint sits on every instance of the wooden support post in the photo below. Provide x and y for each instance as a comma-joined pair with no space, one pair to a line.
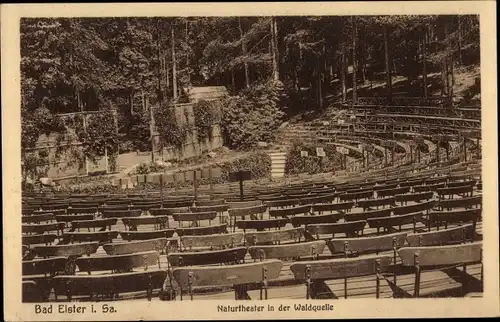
241,186
161,187
465,149
211,183
195,185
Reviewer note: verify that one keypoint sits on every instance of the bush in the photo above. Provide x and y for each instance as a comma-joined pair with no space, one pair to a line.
253,116
145,168
312,164
205,117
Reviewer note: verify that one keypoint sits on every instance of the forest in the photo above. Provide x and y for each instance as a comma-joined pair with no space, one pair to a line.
273,67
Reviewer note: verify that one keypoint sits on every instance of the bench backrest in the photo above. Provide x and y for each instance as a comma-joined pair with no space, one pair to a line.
226,275
342,206
441,255
367,214
98,236
282,235
197,231
440,237
290,211
346,228
262,224
124,262
145,235
295,250
66,250
224,256
215,240
367,244
156,244
315,219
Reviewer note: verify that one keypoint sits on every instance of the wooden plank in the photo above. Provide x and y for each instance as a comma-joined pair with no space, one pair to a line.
38,218
394,221
290,211
98,236
70,218
441,255
417,197
226,275
144,220
66,250
72,285
96,223
248,211
145,235
340,268
197,231
263,237
244,204
189,216
214,240
41,228
44,266
342,206
461,202
121,213
295,250
262,224
121,263
316,219
432,238
365,204
419,207
38,239
367,244
224,256
367,214
216,208
348,228
156,244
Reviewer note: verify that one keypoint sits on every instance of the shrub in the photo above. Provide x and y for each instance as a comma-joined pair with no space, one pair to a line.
205,118
253,116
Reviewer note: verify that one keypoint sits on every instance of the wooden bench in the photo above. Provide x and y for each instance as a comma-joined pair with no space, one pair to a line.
305,209
81,211
98,236
392,192
178,203
234,213
198,231
118,263
342,206
415,197
385,187
244,204
442,237
121,213
395,221
367,214
432,187
58,227
215,240
70,218
111,208
450,192
209,203
438,218
167,211
355,195
146,235
49,266
287,251
121,248
273,237
327,198
145,206
109,285
237,276
55,212
225,256
466,203
370,203
96,223
432,256
36,219
353,228
262,224
66,250
458,184
282,203
321,270
38,239
159,222
304,220
419,207
366,244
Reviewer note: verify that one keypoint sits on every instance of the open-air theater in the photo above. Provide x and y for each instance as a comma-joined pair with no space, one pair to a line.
406,224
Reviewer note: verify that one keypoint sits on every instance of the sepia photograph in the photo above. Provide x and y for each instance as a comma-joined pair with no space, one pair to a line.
249,157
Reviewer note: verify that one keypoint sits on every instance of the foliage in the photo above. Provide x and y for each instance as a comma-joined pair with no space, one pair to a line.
253,116
205,118
136,131
312,164
172,132
145,168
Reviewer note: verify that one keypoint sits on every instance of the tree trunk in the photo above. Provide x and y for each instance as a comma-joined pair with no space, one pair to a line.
343,73
320,91
187,54
444,79
363,57
354,62
424,63
276,49
244,52
160,92
387,65
232,81
174,65
273,51
459,41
